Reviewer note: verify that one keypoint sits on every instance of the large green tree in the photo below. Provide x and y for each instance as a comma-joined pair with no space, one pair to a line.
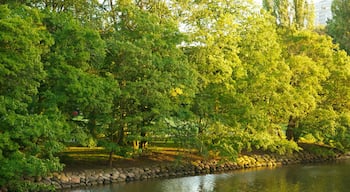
154,77
242,74
329,122
338,26
212,49
76,85
307,54
29,140
318,99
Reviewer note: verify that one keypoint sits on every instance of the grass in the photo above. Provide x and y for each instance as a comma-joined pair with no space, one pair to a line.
83,158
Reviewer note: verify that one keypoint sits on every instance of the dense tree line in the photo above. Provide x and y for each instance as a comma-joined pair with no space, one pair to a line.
220,76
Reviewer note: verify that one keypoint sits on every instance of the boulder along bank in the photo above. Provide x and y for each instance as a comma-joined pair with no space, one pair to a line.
67,180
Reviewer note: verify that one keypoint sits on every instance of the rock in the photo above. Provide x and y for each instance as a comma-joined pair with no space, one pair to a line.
91,178
56,185
66,186
75,179
122,176
115,177
115,172
131,175
75,185
64,179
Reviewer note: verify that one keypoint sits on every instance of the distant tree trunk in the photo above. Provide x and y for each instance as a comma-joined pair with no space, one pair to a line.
120,139
290,128
114,15
136,144
143,141
92,123
110,159
111,152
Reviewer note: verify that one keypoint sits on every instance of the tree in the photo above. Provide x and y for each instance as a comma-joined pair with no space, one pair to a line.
307,54
263,75
212,49
75,81
88,12
297,13
237,54
338,26
319,92
329,122
29,140
154,77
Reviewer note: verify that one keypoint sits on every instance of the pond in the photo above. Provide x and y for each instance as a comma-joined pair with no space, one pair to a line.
329,177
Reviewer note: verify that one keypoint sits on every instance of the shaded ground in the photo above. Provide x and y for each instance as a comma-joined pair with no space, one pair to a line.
81,158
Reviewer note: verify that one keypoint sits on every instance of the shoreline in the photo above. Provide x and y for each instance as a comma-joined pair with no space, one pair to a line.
79,179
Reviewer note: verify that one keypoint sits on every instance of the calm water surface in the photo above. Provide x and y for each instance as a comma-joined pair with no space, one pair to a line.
330,177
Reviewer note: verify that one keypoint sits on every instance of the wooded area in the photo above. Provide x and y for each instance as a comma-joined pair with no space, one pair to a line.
217,76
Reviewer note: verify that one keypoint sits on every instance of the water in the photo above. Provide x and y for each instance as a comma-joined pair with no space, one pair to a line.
330,177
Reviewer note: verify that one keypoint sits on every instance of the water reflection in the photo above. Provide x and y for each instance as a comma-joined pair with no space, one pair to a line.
198,183
320,178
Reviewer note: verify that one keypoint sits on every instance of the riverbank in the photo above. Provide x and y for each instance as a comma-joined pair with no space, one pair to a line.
89,177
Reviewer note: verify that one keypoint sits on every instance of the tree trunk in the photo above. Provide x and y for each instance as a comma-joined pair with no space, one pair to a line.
120,139
110,159
143,141
290,128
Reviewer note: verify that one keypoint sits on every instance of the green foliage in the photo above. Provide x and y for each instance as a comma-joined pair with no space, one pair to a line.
153,74
272,143
262,78
182,133
225,141
28,140
342,137
323,151
319,77
338,25
219,76
212,48
21,69
327,127
76,81
111,146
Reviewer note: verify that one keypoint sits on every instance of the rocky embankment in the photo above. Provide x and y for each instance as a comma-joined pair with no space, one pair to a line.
66,180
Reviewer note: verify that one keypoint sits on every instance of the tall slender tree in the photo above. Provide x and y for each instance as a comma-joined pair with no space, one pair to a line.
292,13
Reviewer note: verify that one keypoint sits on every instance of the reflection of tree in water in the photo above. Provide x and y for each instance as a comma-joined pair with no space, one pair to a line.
291,175
291,180
205,183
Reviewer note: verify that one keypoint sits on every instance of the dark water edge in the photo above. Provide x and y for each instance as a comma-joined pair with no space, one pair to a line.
320,177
